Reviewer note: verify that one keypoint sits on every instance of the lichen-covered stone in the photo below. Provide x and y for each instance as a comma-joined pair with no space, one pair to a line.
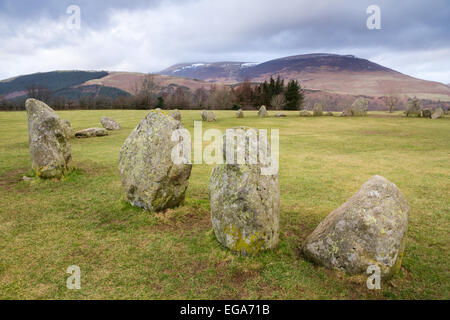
245,206
176,115
280,115
369,229
68,130
239,113
91,132
438,113
109,123
49,149
318,110
262,112
413,108
359,107
150,178
425,113
305,113
208,116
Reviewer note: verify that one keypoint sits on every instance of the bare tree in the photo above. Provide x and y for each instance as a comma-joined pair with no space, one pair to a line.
391,100
278,101
38,92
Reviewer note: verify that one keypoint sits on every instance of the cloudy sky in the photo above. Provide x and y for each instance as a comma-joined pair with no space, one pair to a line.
148,36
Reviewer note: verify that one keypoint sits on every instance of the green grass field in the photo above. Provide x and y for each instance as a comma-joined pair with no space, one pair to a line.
128,253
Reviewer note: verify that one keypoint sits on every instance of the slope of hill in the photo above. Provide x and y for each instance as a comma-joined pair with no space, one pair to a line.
341,74
53,81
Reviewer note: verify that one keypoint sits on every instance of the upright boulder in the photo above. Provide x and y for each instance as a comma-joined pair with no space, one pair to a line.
176,114
239,113
438,113
369,229
245,203
50,151
359,107
317,110
150,178
68,130
208,116
413,108
109,123
262,112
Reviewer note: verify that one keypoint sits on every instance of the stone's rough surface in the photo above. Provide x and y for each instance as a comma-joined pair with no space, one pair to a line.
413,108
280,114
438,113
67,127
91,132
176,115
262,112
318,110
208,116
425,113
49,149
245,206
358,108
369,229
109,123
305,113
150,178
239,113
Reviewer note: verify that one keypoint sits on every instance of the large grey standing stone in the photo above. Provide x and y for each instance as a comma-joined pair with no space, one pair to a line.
208,116
150,178
176,115
239,113
91,132
245,205
359,107
109,123
262,112
49,149
369,229
413,108
438,113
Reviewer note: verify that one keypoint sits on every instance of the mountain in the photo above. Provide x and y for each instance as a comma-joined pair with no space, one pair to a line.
338,74
75,84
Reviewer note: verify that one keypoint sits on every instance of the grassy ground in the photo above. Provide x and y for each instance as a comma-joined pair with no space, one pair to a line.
127,253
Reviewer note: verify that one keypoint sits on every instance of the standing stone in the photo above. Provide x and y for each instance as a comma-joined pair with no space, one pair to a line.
413,108
176,115
109,123
68,130
208,116
317,110
240,113
359,107
91,132
150,178
438,113
369,229
49,149
245,204
262,112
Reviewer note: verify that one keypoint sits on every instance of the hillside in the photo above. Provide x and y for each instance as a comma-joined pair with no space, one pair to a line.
340,74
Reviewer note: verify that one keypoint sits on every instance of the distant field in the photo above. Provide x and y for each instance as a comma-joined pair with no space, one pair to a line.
128,253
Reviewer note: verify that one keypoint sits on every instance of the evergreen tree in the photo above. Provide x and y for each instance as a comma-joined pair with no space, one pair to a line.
294,96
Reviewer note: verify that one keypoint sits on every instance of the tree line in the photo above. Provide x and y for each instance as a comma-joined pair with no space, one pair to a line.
148,94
